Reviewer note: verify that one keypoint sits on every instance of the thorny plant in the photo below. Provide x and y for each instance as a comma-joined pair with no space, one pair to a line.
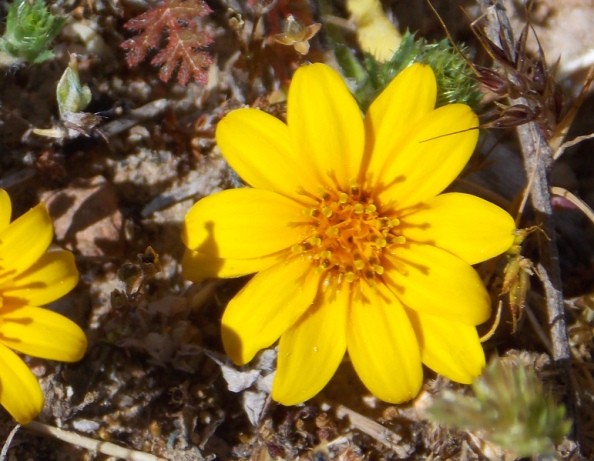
522,76
516,74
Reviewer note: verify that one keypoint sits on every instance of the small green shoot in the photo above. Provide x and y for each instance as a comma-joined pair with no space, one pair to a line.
30,28
73,98
71,95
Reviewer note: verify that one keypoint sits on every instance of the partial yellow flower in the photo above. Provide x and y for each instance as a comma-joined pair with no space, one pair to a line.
375,33
354,248
31,276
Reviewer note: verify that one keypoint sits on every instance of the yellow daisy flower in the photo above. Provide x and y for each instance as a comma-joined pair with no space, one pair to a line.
354,248
31,276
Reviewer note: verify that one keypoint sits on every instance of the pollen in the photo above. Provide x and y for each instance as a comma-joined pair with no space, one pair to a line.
348,235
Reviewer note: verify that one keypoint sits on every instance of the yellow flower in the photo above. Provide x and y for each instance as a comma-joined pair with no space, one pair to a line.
31,276
354,248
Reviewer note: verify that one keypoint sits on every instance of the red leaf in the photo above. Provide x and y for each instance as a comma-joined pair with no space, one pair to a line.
176,18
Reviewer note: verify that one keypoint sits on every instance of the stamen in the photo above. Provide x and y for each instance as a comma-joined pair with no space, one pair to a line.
354,187
316,241
348,237
381,242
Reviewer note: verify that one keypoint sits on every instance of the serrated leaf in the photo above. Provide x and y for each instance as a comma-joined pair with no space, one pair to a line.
177,19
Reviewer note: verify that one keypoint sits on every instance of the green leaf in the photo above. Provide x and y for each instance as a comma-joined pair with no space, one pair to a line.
30,28
71,95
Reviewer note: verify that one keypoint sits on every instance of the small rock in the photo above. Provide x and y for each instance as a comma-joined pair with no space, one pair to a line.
86,217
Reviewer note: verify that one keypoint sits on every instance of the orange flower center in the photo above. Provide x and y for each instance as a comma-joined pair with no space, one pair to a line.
348,235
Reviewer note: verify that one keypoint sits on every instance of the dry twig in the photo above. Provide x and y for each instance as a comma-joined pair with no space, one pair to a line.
97,446
538,158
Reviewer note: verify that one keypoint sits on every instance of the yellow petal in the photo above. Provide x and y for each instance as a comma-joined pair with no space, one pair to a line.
257,146
20,393
309,352
325,124
243,224
409,96
375,32
433,281
266,307
42,333
5,209
50,278
25,240
383,346
467,226
198,266
429,159
451,349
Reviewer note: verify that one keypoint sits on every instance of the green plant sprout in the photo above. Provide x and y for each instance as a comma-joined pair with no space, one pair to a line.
30,28
72,97
510,407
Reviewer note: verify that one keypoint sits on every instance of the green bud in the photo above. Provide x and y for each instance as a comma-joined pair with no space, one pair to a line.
71,95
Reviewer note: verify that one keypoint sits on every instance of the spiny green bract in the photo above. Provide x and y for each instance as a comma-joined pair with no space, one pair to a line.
510,406
30,28
455,82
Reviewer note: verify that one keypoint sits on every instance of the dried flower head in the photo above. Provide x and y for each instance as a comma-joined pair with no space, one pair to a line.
354,248
296,34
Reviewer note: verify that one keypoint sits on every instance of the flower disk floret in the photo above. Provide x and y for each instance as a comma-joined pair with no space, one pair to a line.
355,247
31,276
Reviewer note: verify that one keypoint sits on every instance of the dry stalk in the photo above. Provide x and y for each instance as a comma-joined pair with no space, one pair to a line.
538,158
97,446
